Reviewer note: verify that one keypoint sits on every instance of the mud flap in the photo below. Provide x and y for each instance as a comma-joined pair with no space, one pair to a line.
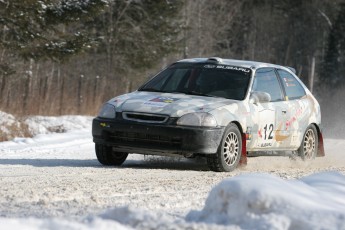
321,149
243,160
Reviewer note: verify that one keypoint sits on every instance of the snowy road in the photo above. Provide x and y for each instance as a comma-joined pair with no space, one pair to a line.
57,175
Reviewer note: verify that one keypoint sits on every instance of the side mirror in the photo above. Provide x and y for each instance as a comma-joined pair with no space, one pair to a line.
259,97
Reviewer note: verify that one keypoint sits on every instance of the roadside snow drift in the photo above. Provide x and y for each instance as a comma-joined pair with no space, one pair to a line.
247,201
11,126
43,124
263,201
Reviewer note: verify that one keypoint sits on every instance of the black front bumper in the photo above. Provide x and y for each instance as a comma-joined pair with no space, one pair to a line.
160,139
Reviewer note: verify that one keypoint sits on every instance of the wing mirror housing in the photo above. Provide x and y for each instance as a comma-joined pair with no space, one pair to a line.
257,97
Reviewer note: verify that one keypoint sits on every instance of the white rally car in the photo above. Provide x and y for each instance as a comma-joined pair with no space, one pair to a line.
224,110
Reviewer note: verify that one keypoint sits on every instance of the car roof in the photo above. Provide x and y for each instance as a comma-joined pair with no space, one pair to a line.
239,63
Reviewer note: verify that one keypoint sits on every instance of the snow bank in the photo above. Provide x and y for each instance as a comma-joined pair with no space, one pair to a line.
263,201
247,201
60,124
6,118
56,224
138,218
11,126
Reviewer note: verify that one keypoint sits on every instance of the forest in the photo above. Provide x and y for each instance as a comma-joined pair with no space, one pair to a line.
68,57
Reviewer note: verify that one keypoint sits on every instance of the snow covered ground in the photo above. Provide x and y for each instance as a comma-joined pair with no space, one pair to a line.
53,181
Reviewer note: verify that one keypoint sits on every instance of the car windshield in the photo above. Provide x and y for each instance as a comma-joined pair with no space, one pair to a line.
203,79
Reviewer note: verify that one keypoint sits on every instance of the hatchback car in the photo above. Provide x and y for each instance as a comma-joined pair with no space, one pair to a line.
221,109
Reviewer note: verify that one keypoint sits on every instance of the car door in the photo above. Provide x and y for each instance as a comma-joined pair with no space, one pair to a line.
267,131
297,106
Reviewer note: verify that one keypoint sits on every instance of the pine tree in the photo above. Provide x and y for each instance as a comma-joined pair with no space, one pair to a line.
333,73
135,34
33,29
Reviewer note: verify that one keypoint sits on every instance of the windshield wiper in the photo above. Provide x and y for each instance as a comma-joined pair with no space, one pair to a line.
191,92
152,90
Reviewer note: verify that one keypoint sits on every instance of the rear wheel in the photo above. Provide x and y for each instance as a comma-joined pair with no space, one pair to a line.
309,145
228,154
106,155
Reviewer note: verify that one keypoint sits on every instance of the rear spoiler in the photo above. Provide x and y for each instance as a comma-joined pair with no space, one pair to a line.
292,69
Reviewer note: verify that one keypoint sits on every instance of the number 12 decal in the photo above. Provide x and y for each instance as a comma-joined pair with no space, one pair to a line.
268,130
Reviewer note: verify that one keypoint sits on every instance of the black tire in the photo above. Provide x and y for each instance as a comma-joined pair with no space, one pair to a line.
106,155
309,146
229,151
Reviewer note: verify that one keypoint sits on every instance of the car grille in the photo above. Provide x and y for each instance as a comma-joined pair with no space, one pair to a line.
145,117
137,139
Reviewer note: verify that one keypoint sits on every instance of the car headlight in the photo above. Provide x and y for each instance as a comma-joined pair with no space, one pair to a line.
107,111
197,119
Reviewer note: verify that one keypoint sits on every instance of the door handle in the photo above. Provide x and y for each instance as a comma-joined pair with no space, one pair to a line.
284,111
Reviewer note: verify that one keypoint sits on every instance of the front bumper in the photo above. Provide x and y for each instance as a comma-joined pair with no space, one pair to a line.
160,139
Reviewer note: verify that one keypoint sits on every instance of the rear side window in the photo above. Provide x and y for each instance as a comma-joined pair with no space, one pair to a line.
266,81
293,89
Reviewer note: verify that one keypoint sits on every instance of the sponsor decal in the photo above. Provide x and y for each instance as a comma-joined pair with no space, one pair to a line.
294,118
160,101
249,133
289,82
227,67
233,68
259,133
278,136
264,145
268,131
209,66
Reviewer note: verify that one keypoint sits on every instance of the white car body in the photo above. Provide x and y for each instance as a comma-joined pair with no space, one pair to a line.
272,113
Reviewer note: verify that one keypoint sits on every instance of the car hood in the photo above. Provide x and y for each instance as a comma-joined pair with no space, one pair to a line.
172,104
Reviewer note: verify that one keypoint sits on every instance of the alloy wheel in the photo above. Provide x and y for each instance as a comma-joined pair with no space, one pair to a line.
309,144
231,149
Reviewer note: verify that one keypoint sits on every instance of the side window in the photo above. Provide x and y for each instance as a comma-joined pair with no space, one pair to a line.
266,81
293,88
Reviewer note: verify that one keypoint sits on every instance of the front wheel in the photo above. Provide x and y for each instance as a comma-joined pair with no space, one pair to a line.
309,145
106,155
229,151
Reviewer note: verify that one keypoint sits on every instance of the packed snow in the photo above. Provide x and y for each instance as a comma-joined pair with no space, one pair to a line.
53,181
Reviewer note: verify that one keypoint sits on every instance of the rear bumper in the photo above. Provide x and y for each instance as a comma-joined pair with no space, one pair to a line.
160,139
